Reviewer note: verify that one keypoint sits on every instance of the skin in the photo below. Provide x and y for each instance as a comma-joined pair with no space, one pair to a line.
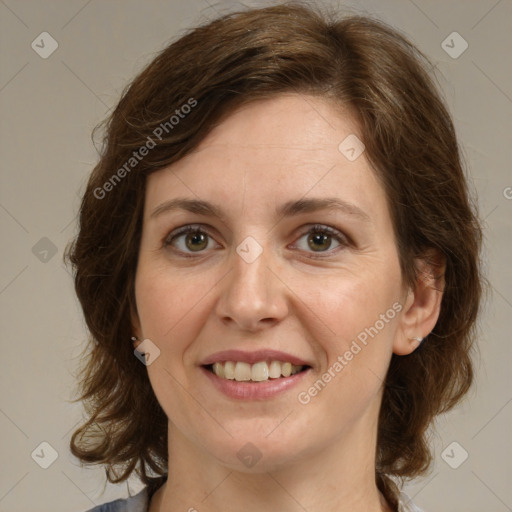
317,456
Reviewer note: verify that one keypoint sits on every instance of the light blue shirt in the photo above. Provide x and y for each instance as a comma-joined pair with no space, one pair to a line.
137,503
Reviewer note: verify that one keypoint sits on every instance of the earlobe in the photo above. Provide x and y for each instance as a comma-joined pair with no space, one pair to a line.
423,303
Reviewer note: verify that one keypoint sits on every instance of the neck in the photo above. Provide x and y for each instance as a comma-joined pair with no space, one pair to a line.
340,477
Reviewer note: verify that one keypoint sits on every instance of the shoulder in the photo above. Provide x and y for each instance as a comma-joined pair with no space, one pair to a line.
405,504
137,503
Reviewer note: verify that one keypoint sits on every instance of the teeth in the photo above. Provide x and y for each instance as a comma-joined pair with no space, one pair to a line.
242,371
218,369
257,372
275,369
229,370
286,369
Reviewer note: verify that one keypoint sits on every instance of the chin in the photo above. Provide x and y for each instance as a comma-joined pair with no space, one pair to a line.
257,451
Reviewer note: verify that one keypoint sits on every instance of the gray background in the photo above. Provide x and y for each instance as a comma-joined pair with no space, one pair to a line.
48,109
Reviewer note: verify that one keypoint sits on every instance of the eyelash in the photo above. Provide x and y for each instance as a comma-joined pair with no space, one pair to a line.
314,229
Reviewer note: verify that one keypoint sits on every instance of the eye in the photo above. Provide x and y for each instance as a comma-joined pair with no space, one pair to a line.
188,239
319,239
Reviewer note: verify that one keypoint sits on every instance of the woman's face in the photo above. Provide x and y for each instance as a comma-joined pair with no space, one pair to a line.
275,271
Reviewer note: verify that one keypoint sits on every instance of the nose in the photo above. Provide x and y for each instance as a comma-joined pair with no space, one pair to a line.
252,295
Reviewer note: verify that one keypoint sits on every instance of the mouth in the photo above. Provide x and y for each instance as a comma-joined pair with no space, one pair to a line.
261,371
263,380
254,375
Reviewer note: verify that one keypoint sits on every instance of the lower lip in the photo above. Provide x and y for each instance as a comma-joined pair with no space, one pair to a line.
245,390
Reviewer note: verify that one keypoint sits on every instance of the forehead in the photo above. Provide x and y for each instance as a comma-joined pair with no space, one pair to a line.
292,122
272,151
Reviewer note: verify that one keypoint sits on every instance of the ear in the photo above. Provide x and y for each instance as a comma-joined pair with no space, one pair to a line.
422,304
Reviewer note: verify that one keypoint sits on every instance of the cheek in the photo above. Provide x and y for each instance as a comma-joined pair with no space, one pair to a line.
165,303
361,311
351,301
168,305
363,315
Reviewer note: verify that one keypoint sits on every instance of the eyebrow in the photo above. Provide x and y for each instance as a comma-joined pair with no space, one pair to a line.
288,209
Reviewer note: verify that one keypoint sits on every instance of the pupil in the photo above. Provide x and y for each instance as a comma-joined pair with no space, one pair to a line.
195,238
319,239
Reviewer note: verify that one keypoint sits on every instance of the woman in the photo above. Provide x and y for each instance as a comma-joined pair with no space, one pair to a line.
280,226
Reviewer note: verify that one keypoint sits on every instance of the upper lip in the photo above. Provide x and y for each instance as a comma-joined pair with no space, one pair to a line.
253,357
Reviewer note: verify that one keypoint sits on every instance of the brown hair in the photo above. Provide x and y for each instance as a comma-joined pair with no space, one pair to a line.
410,141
